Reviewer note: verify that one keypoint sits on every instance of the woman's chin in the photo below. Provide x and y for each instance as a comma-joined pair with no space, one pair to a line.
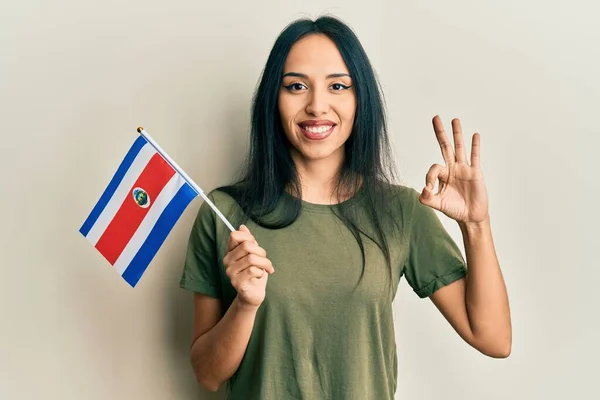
313,155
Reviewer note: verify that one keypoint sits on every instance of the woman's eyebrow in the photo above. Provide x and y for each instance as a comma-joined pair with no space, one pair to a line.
299,75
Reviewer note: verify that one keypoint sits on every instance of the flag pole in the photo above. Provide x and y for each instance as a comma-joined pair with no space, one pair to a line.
197,188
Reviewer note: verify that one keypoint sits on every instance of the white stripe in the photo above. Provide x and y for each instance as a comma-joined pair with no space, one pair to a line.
121,193
156,209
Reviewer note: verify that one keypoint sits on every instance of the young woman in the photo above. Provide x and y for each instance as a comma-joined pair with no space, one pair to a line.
297,304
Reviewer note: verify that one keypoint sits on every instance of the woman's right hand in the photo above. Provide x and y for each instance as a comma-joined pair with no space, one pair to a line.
247,266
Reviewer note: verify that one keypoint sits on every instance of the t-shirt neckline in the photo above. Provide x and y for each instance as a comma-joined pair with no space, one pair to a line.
327,208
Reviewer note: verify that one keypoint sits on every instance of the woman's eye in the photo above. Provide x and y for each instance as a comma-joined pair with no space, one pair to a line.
295,86
339,86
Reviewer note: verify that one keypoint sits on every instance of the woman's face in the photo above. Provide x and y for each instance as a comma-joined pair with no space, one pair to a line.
317,102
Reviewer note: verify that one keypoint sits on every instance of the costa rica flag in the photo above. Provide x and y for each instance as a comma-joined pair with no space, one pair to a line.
139,207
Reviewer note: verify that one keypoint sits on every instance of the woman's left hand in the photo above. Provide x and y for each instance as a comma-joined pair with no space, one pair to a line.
462,194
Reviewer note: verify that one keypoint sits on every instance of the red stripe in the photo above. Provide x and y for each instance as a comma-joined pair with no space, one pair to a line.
119,231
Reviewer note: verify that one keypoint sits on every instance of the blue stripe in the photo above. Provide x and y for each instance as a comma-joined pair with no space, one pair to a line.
113,184
158,234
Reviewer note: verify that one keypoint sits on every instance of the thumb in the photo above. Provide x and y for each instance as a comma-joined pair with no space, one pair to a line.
427,191
428,198
425,196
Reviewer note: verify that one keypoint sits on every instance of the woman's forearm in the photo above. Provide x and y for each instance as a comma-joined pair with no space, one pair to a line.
217,354
486,297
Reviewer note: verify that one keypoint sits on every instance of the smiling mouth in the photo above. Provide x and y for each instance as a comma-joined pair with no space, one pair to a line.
317,132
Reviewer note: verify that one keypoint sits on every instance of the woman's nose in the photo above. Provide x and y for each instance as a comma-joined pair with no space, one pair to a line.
318,103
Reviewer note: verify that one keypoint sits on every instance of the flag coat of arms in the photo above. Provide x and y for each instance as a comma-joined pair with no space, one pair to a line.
137,210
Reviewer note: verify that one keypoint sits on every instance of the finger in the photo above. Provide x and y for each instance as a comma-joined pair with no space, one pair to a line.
246,277
459,144
475,149
429,199
244,228
258,261
237,270
435,172
247,261
245,248
442,139
252,272
237,237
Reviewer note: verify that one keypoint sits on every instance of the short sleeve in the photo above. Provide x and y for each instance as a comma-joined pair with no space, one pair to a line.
434,259
201,266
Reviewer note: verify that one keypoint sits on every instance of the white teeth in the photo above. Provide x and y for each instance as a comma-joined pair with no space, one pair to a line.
318,129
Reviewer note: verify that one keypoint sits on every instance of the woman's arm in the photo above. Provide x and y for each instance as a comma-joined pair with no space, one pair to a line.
219,344
477,306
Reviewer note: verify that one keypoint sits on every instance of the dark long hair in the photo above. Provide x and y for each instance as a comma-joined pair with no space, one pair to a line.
269,169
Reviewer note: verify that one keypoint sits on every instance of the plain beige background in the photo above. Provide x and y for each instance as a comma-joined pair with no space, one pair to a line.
77,78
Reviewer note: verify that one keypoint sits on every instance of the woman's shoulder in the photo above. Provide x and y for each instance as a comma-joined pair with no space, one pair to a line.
398,192
223,201
221,196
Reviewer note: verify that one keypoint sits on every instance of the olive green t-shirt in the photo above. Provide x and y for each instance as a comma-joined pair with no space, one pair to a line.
323,332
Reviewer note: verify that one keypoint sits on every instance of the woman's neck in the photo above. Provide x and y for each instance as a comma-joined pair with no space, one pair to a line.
319,179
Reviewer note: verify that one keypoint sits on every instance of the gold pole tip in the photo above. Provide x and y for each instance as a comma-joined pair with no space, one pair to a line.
140,129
